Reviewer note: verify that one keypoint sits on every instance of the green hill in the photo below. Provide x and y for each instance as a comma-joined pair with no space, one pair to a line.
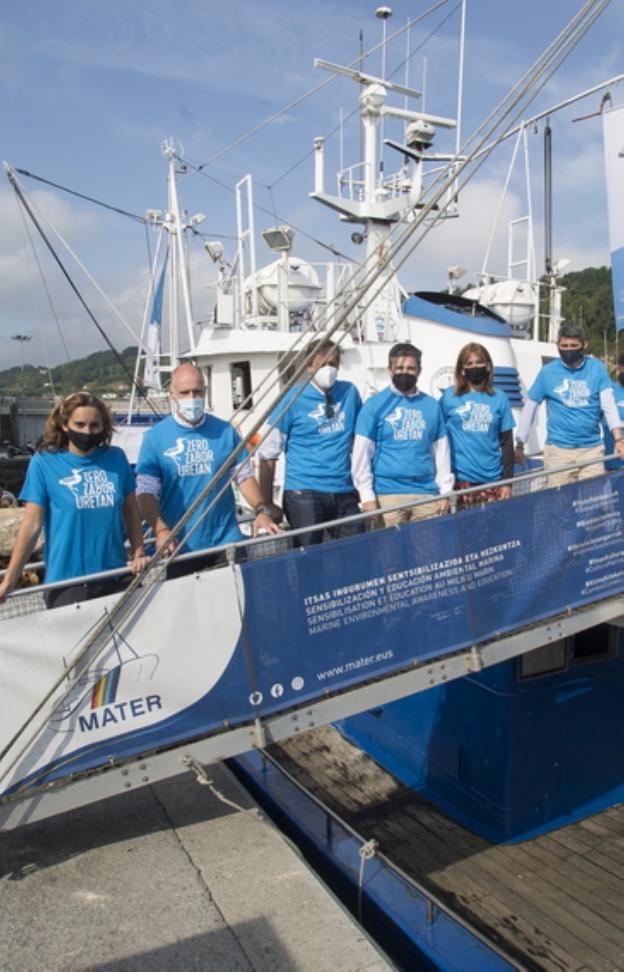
588,300
100,372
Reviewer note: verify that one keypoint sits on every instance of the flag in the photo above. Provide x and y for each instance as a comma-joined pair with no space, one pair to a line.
151,375
613,128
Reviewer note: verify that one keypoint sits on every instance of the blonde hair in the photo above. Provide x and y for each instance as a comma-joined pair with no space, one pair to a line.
54,435
462,385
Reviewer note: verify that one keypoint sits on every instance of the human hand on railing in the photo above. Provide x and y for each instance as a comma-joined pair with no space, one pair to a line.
519,456
165,539
138,563
264,523
504,492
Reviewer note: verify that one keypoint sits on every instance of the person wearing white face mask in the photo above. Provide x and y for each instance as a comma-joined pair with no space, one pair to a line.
313,425
178,456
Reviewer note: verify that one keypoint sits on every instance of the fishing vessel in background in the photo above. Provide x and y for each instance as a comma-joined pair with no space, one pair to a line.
433,712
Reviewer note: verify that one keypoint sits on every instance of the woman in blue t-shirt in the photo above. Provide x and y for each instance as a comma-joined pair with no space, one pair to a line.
479,425
80,489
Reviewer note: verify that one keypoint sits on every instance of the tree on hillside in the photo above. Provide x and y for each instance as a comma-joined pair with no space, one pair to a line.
588,300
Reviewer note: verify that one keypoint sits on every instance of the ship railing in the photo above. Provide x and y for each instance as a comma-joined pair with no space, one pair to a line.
216,663
27,600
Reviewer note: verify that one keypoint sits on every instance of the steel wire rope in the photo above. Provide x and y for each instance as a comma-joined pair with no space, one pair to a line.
392,74
199,168
561,47
98,202
124,607
81,266
317,87
81,195
436,219
71,283
263,209
44,283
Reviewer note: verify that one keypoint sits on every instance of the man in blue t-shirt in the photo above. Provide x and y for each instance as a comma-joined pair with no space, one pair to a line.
178,458
618,392
313,425
578,392
401,453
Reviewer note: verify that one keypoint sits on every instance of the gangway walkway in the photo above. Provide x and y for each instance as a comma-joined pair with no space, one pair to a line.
216,663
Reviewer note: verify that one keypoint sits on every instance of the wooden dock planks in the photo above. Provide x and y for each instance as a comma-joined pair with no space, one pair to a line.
555,902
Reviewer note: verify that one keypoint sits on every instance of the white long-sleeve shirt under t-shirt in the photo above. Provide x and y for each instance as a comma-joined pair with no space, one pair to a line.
400,447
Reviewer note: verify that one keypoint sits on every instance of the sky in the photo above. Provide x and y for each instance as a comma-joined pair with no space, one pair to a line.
92,87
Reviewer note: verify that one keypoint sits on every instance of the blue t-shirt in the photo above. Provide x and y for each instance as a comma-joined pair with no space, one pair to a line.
184,459
404,429
318,450
474,422
572,402
83,500
618,392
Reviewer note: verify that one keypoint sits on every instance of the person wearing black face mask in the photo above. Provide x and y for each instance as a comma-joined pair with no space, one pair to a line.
479,425
579,395
401,453
83,489
618,392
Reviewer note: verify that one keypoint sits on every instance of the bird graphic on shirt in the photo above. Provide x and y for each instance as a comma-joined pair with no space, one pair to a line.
464,410
563,389
175,451
319,413
395,417
72,481
574,393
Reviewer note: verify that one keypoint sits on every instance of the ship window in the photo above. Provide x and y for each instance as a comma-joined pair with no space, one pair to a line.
601,641
544,660
207,373
241,385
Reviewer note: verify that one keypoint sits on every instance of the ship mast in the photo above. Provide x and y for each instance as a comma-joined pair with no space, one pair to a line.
368,196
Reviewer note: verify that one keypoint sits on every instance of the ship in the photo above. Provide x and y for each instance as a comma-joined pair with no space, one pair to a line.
433,712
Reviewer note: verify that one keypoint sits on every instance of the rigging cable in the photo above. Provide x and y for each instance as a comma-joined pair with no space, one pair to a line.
301,232
81,195
317,87
350,115
66,274
121,611
46,289
84,269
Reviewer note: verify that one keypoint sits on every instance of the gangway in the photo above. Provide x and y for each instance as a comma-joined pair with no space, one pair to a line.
216,663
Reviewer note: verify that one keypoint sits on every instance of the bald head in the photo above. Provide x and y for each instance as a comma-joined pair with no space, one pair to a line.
187,376
187,393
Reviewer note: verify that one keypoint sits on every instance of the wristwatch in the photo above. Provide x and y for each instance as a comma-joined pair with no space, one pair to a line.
262,508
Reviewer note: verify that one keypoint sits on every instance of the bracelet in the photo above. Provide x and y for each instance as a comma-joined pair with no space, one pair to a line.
262,508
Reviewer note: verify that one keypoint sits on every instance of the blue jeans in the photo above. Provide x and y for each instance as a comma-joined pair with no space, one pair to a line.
307,507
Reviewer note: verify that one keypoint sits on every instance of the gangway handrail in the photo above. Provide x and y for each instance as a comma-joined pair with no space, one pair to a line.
253,542
34,802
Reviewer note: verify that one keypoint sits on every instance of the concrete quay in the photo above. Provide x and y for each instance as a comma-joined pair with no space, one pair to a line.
169,877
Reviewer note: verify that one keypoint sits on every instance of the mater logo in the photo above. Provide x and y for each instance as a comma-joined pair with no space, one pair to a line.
115,692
